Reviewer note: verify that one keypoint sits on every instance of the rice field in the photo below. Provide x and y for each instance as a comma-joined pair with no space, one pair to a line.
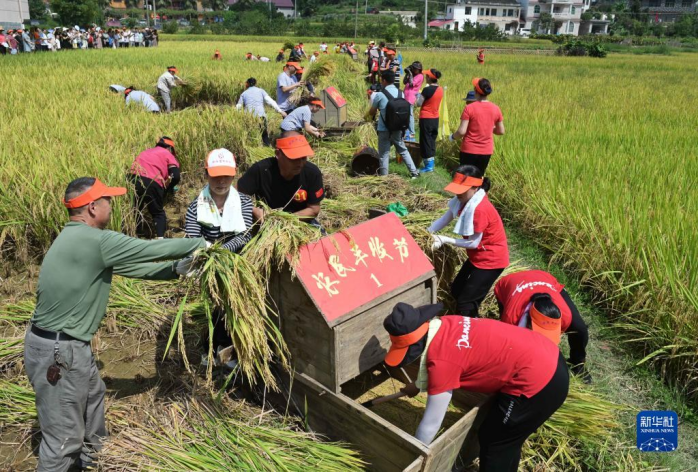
597,166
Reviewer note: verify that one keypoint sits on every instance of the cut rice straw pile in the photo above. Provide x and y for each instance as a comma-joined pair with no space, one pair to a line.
204,436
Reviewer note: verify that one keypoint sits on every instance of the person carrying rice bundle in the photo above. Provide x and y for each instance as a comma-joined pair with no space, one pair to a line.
220,214
287,181
480,231
72,296
286,83
301,119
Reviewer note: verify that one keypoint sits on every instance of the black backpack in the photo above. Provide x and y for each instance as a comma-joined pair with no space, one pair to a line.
397,112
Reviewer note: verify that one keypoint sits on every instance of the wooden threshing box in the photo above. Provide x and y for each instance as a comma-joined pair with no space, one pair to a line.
335,112
331,317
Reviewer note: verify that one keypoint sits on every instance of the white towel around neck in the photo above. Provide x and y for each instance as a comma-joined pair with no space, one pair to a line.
207,213
464,222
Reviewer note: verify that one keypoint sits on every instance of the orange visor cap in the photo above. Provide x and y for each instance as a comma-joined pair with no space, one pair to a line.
96,192
461,183
548,327
295,147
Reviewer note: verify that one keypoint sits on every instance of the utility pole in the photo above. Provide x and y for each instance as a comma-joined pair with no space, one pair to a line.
294,9
356,18
366,9
147,13
426,18
155,15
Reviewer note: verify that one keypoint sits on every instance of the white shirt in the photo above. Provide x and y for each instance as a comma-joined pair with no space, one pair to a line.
313,58
167,81
138,96
253,99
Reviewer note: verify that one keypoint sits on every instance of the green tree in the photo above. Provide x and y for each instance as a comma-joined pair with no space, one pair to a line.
37,9
76,12
546,22
215,5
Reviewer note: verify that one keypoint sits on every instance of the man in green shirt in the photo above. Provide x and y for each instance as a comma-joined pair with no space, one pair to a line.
72,296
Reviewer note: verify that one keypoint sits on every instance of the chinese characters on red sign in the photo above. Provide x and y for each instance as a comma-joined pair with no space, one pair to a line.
346,270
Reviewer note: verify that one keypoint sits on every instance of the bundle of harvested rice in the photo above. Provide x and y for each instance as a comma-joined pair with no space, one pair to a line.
280,236
325,67
205,436
233,287
16,402
11,352
146,305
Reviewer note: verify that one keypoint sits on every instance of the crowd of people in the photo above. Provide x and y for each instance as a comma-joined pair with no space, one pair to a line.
516,359
57,39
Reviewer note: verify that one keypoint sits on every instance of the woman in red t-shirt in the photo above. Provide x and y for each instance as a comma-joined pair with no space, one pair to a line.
525,296
524,370
478,122
481,233
429,100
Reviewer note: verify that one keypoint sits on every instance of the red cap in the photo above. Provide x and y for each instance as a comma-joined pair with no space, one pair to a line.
317,102
461,183
96,192
295,147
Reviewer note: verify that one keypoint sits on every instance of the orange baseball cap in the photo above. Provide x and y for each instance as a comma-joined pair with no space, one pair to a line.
430,74
173,69
390,51
549,327
400,343
461,183
295,147
294,64
317,102
96,192
221,162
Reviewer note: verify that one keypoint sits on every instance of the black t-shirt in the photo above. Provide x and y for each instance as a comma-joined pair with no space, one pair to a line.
264,181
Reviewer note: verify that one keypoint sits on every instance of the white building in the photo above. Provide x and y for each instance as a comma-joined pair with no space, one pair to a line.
13,13
566,16
408,17
504,14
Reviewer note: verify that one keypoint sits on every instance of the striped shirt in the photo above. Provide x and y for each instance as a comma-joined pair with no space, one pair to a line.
253,100
231,241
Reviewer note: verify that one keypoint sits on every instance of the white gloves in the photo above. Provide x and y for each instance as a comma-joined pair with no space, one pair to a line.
184,267
450,137
208,244
440,240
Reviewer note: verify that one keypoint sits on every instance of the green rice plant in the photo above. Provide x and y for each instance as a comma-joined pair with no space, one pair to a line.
204,436
17,402
17,312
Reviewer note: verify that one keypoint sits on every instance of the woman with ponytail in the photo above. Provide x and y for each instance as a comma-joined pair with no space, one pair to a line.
479,121
480,231
535,299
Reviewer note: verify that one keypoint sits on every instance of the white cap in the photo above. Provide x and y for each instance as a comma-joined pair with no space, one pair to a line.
221,162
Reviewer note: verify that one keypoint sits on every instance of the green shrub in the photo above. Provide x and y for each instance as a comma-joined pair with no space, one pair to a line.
171,27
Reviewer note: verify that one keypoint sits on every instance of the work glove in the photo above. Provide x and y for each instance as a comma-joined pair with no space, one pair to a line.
184,267
450,137
440,241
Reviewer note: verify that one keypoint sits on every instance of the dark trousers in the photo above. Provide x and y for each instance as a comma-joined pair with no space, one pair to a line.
480,161
470,287
512,419
265,132
150,195
428,131
577,333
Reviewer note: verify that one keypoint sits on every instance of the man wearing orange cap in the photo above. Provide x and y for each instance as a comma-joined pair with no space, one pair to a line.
138,96
166,82
524,371
287,181
281,57
390,63
72,296
286,83
536,300
301,119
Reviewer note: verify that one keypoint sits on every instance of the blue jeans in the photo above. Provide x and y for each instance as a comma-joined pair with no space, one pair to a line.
385,140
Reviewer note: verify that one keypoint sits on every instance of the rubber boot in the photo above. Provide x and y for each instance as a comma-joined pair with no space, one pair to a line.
428,165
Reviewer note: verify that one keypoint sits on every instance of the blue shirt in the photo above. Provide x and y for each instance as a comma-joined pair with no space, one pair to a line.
284,80
380,101
297,119
138,96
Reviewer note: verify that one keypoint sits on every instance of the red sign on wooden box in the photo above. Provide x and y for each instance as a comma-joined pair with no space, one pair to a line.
348,269
336,97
